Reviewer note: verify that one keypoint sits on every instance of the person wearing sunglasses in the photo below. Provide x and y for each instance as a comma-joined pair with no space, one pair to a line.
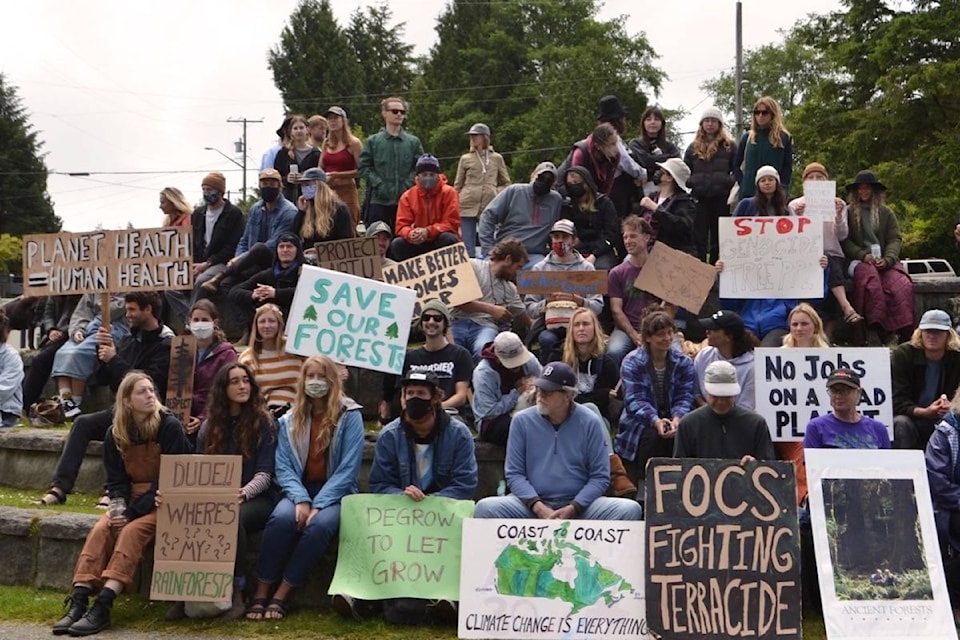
387,164
767,143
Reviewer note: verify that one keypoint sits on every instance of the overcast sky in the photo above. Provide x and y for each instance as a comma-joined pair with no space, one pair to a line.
132,92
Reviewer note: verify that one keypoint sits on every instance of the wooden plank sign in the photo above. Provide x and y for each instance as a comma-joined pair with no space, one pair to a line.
196,544
676,277
183,359
581,283
445,273
356,256
157,259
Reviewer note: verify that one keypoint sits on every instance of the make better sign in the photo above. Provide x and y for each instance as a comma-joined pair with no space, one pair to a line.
355,321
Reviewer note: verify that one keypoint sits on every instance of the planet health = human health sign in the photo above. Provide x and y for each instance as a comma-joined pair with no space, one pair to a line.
100,261
394,547
723,549
355,321
445,274
771,257
552,579
196,544
791,387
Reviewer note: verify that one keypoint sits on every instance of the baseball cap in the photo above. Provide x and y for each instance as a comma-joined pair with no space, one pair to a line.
935,319
270,174
545,167
564,226
313,174
479,129
720,379
728,321
426,378
845,377
427,162
337,111
378,227
556,376
509,349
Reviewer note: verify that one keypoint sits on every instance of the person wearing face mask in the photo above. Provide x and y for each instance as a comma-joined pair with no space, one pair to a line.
428,214
594,217
217,227
525,212
275,284
558,462
670,211
551,312
321,217
599,154
424,452
213,351
319,453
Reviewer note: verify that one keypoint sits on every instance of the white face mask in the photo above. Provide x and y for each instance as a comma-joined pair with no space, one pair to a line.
202,330
316,388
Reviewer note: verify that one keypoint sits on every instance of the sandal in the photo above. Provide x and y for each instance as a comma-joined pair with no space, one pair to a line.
853,317
104,501
53,497
277,608
258,606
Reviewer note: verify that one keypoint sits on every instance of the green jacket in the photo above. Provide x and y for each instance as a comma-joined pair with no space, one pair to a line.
387,163
887,232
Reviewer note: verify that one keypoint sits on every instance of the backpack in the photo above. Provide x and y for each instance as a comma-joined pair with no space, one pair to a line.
47,413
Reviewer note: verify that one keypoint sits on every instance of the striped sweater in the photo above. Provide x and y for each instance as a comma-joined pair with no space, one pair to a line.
277,374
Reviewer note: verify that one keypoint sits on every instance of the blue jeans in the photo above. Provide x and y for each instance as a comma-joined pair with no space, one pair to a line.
619,345
472,336
548,339
603,508
468,229
291,555
78,360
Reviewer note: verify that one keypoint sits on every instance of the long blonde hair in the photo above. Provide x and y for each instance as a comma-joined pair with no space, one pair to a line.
125,430
819,339
255,346
776,122
878,199
175,197
705,148
343,136
597,346
301,415
318,218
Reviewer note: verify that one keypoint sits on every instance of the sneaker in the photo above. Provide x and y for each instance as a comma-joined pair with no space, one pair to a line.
344,605
70,409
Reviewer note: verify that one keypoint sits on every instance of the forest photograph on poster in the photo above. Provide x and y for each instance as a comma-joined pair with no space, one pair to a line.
876,547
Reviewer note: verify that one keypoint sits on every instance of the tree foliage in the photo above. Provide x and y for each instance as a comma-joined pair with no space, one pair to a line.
25,205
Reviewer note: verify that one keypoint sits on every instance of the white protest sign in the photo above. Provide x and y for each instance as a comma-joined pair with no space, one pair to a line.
819,197
552,579
771,257
878,559
791,386
356,321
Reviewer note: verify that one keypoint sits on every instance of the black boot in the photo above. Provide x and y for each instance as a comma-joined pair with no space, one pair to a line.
96,620
77,606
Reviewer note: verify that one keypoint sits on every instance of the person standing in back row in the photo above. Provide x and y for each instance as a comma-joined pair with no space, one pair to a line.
387,164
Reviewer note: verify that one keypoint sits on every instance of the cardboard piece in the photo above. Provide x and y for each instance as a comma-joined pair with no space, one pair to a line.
552,579
355,321
771,257
791,386
183,360
723,549
818,198
581,283
197,522
676,277
444,273
157,259
393,547
356,256
878,557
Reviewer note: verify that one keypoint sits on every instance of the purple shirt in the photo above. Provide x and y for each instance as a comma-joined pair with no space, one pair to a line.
620,285
829,432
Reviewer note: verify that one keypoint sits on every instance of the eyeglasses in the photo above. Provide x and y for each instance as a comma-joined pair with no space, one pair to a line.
397,112
431,317
761,112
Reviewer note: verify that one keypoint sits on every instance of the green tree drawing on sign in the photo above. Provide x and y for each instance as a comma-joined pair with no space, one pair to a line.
393,331
310,313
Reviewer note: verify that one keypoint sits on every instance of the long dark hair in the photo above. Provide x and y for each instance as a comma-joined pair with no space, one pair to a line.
777,202
252,413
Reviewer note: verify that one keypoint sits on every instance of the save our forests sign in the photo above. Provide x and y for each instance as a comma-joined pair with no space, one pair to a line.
355,321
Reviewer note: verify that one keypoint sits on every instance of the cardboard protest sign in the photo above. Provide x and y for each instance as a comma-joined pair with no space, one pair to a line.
771,257
818,198
393,547
183,360
355,321
676,277
552,579
791,386
878,557
444,273
96,261
581,283
723,549
196,543
356,256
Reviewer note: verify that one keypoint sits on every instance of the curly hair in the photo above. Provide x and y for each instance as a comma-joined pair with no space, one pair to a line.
253,413
509,248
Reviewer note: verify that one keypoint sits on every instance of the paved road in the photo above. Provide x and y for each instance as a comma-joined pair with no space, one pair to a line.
17,631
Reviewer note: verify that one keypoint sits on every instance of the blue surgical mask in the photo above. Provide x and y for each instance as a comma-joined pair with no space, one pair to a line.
309,191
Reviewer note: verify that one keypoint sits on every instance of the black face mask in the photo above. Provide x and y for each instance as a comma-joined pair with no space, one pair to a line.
656,176
576,190
269,194
418,408
542,187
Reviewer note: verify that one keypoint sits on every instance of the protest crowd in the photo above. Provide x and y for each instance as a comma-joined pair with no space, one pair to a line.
582,386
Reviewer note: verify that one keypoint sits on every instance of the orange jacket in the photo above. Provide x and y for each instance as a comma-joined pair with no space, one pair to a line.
437,210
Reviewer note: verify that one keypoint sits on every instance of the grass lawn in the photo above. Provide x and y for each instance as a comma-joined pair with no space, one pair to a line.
24,498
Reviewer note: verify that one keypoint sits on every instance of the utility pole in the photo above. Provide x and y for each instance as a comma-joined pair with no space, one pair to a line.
243,147
738,89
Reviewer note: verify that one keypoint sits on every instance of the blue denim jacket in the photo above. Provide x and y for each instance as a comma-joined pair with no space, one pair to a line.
279,220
